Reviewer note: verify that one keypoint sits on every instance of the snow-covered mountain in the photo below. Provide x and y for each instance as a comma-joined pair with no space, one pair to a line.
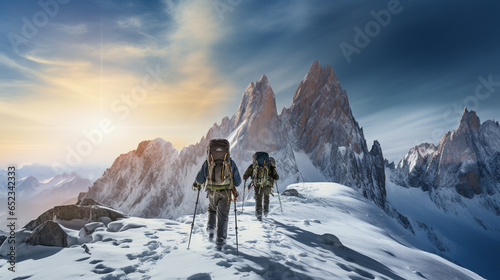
328,232
320,123
44,174
462,171
34,197
452,193
27,187
318,130
63,185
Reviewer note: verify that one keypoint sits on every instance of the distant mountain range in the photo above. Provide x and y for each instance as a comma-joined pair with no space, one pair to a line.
463,168
39,188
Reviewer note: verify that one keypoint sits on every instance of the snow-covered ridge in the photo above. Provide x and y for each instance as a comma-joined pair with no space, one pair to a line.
328,232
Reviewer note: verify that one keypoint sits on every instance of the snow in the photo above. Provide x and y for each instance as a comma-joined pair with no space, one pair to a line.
231,138
307,168
468,243
329,232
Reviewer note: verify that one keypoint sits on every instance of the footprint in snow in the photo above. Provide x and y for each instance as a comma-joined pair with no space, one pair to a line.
153,245
129,269
119,242
151,235
102,269
200,276
225,264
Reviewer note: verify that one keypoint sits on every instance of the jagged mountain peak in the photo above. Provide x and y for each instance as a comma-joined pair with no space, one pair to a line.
263,79
317,78
258,99
31,179
257,118
316,71
320,123
464,165
250,87
469,120
423,150
153,144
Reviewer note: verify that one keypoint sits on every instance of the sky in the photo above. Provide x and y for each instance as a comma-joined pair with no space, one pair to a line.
82,82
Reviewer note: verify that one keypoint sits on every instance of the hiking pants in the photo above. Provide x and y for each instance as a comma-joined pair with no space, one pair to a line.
262,195
218,211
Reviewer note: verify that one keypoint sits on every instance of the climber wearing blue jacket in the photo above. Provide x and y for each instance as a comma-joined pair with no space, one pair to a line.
221,175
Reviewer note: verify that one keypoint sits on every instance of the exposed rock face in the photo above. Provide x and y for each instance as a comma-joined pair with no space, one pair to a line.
88,202
150,181
68,213
412,168
465,164
256,121
321,123
48,234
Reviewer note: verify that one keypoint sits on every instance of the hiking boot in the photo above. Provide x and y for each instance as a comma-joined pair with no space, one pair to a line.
259,218
211,233
266,213
220,242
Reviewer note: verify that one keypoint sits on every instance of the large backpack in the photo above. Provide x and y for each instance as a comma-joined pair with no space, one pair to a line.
260,174
219,165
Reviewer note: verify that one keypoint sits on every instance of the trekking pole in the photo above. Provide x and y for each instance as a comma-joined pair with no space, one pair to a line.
278,190
244,187
194,216
236,219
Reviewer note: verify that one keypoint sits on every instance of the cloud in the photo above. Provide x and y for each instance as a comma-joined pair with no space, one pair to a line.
14,65
77,29
130,22
398,129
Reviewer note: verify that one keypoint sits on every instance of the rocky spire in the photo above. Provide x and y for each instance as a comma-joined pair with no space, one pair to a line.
321,124
257,118
469,120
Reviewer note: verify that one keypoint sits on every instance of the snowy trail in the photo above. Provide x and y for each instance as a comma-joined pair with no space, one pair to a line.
330,232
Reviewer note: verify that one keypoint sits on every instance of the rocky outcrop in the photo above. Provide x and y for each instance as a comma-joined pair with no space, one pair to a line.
88,202
48,233
76,216
412,168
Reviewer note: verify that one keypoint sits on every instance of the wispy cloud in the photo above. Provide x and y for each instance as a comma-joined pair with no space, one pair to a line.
77,29
130,22
399,129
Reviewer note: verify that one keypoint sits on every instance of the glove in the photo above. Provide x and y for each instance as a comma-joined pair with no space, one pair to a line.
196,187
235,193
